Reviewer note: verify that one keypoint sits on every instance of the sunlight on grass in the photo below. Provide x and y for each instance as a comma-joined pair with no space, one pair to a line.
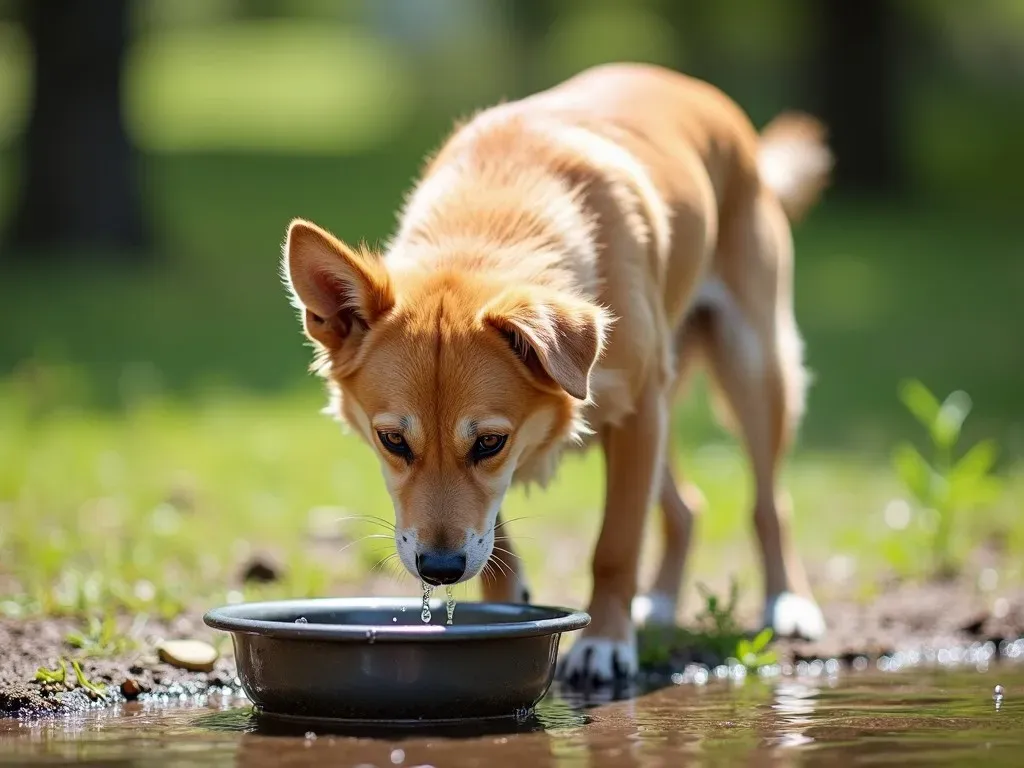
156,508
294,86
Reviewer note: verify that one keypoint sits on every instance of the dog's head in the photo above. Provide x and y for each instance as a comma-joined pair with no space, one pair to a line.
455,380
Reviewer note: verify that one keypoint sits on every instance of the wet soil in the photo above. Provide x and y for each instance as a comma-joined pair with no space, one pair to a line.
903,617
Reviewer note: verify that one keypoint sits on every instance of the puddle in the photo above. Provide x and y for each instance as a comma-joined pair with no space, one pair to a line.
931,717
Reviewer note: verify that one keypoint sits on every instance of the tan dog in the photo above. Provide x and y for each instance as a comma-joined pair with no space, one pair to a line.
561,262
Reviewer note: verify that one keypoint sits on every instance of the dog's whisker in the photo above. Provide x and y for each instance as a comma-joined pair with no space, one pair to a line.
512,520
384,561
508,552
361,539
368,519
501,566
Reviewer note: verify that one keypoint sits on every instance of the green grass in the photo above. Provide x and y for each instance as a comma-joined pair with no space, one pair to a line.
154,508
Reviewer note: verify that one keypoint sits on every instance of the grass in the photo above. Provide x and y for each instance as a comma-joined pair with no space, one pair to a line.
155,509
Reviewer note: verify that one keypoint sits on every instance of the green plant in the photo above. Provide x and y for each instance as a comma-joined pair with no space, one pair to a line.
97,689
947,485
754,653
716,632
101,638
59,676
716,619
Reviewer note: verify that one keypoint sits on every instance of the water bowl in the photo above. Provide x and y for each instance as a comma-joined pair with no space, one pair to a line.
374,659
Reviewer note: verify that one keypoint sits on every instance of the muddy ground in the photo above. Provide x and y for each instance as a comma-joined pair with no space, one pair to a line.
904,616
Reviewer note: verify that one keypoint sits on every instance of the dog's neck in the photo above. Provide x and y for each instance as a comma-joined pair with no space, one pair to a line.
517,226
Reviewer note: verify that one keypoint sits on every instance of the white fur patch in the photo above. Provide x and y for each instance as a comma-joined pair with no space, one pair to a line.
655,610
791,615
789,166
740,335
599,661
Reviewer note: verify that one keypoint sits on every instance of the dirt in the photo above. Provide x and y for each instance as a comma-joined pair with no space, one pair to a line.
28,644
903,616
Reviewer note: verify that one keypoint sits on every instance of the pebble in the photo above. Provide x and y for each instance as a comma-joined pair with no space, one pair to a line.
194,655
130,689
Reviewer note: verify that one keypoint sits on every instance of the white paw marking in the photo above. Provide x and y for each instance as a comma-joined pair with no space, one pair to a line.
656,609
791,615
597,660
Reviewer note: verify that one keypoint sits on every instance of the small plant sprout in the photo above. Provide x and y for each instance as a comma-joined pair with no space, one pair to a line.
97,689
716,632
57,675
947,485
101,638
754,654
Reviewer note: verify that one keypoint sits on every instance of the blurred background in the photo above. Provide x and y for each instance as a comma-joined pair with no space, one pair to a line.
157,424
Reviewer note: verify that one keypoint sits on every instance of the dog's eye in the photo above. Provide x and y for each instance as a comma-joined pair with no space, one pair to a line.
395,443
487,446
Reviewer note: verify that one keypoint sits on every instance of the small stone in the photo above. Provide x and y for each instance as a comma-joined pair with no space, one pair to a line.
131,689
194,655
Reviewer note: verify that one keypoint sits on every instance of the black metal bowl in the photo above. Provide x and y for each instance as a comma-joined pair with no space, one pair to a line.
375,659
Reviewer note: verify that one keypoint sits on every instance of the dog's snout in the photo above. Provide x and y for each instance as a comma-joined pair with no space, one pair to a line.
441,567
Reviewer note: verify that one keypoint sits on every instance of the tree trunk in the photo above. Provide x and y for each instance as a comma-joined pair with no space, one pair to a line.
79,187
529,21
855,77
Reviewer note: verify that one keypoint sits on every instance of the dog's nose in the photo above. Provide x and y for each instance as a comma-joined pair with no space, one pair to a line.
441,567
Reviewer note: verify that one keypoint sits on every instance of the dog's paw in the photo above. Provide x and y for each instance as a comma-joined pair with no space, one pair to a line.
595,661
654,610
790,615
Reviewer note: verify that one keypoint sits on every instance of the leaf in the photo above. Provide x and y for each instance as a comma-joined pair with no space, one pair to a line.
58,675
980,492
744,648
920,402
945,429
761,640
916,473
977,462
96,688
970,483
766,658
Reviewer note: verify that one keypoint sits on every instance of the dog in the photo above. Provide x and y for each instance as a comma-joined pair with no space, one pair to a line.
561,265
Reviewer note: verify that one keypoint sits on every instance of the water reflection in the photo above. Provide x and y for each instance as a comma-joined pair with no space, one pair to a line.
816,719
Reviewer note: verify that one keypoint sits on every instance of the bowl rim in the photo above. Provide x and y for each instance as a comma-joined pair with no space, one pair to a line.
238,619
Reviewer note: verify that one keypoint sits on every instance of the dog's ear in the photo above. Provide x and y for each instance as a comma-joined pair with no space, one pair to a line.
340,291
558,336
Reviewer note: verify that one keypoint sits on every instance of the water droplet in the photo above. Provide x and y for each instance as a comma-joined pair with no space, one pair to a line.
371,636
449,603
302,620
394,619
425,613
310,736
997,692
397,756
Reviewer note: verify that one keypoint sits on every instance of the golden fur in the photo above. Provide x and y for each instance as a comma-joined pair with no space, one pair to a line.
559,265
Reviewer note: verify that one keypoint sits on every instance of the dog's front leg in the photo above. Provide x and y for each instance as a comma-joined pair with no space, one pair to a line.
606,650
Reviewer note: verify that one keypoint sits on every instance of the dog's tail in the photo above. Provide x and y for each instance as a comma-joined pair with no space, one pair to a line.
795,162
